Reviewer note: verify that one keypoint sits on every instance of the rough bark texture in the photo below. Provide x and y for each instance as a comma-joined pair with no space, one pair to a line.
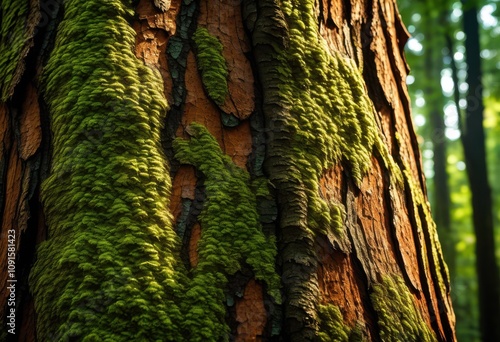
294,208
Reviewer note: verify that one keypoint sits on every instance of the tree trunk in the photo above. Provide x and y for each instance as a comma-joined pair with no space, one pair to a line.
473,140
278,196
434,25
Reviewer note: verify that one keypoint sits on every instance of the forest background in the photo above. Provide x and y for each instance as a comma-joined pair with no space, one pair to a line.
440,61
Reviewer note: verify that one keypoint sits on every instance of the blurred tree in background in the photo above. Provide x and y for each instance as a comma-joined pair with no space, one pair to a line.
441,89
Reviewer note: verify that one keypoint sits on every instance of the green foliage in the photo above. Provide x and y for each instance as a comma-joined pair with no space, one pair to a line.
211,64
464,281
107,272
231,235
13,35
398,318
492,127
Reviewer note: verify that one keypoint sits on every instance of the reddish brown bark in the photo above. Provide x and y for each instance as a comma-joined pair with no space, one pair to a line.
251,314
389,242
20,156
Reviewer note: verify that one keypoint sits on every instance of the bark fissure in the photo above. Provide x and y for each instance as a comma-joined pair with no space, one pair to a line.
25,139
423,247
394,238
442,324
397,71
191,209
178,48
359,266
298,262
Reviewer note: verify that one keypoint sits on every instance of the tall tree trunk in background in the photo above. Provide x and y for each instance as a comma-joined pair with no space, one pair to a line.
434,100
473,140
278,196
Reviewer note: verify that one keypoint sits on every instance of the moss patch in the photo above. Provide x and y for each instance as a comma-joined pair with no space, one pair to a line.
211,64
231,235
332,326
398,318
107,270
318,114
330,113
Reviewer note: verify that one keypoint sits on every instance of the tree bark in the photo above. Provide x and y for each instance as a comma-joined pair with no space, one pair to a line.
279,196
473,140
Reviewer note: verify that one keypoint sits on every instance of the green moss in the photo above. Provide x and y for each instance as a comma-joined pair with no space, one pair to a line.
327,110
13,35
108,268
318,114
231,235
260,186
211,64
330,113
398,317
332,327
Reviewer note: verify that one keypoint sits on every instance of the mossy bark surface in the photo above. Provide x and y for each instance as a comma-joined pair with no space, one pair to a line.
214,171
